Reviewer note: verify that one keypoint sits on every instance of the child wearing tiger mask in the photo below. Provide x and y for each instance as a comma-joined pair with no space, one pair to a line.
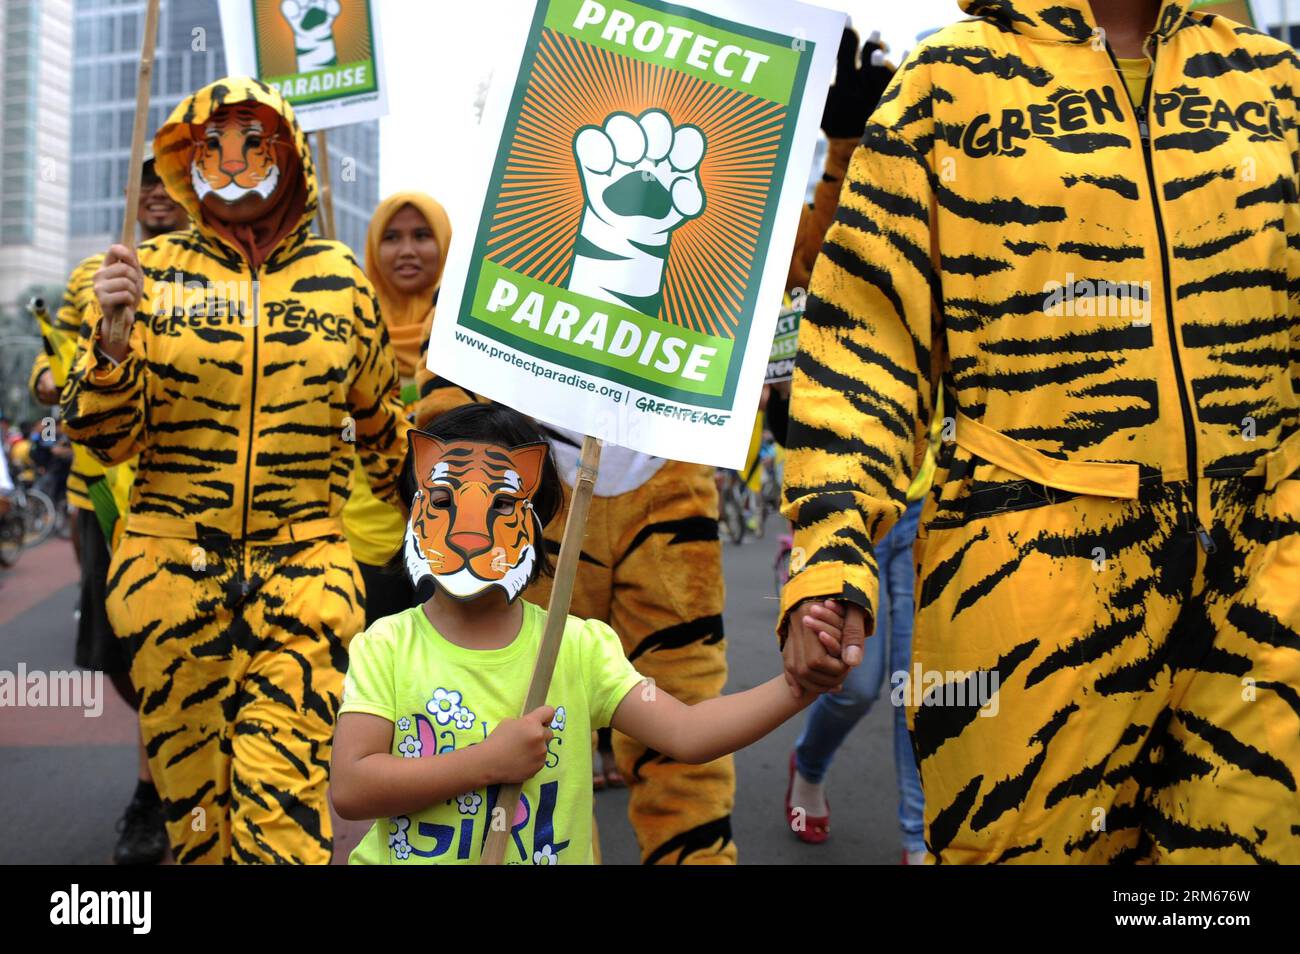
448,677
651,568
248,372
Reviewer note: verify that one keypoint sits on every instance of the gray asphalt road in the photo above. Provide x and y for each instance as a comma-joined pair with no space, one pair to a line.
860,786
59,801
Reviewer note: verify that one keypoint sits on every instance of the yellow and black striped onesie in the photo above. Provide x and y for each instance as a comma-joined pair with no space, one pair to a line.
69,329
243,394
1107,294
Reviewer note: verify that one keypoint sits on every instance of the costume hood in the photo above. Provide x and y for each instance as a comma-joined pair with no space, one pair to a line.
1068,21
288,222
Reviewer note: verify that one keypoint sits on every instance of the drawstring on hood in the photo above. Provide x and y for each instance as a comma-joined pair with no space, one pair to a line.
287,222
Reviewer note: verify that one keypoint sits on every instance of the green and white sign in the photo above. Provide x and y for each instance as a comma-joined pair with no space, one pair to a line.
631,234
785,344
322,55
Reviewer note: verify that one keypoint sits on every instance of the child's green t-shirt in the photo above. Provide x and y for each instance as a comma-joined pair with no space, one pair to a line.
441,697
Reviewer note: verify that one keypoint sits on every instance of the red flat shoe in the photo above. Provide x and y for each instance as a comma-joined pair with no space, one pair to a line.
807,828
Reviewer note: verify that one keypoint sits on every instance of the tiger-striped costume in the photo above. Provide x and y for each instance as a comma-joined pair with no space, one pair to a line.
68,328
651,568
233,580
1114,534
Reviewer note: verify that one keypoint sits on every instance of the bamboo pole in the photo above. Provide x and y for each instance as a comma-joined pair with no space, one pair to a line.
328,229
120,328
566,568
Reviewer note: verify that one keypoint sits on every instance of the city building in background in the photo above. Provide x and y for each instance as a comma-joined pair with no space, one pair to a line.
35,85
189,55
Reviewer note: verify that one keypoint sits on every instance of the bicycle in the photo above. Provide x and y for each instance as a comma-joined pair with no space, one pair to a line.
732,505
781,566
12,532
35,512
28,521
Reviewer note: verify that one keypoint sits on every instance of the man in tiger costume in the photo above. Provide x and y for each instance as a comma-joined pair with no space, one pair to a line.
255,369
1080,221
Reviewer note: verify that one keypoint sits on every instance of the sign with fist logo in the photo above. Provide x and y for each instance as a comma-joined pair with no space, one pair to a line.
632,232
322,55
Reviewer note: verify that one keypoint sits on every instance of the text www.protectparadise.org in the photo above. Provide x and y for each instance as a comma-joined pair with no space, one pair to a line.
571,378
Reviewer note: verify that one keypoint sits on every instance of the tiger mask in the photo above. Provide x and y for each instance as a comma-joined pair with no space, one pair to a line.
472,523
235,157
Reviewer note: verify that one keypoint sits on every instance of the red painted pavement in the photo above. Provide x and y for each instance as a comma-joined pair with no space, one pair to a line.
39,572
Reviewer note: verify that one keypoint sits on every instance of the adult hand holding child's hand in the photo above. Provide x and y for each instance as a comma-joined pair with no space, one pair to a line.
518,746
815,660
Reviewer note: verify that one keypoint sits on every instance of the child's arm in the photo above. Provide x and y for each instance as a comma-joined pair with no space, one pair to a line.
715,727
368,781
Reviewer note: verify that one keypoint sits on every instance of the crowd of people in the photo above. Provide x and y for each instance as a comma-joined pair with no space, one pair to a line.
310,565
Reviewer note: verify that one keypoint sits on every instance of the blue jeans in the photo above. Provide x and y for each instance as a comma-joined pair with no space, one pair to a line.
833,716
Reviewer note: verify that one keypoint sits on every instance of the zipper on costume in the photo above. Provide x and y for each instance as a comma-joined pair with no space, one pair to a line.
1142,113
248,458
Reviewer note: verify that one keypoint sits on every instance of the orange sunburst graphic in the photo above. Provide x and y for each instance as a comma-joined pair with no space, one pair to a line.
275,45
540,207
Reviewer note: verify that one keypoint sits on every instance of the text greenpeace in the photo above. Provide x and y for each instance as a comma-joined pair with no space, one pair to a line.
133,908
640,347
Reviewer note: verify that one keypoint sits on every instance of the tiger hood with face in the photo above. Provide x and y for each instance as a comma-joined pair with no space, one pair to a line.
472,522
258,374
194,159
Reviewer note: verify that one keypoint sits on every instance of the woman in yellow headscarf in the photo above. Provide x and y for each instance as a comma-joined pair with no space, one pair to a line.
406,249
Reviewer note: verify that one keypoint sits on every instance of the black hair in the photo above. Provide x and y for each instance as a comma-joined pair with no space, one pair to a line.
493,424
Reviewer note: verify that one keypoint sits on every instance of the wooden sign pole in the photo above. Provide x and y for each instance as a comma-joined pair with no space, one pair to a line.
566,568
326,190
120,328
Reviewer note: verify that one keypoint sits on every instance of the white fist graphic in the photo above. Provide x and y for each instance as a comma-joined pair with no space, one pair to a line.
641,175
312,22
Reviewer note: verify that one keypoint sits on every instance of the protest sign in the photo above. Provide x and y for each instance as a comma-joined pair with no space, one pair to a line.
785,343
324,56
628,244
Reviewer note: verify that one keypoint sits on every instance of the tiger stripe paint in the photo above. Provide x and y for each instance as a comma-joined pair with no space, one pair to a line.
1123,338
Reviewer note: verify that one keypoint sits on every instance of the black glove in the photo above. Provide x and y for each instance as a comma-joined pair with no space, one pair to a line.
857,89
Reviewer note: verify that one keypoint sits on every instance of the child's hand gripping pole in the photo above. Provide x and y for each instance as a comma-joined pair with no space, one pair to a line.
117,324
557,614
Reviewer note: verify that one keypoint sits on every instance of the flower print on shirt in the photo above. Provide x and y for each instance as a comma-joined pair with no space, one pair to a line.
546,856
468,804
557,723
403,724
444,705
397,828
410,747
463,718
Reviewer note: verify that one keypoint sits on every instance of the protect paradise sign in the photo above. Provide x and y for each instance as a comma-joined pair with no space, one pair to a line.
785,344
628,245
322,55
